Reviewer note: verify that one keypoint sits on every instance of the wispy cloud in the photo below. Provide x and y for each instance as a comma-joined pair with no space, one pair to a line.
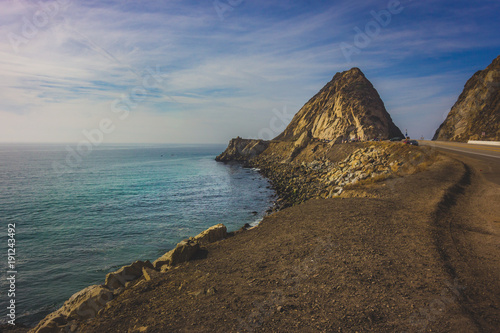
226,74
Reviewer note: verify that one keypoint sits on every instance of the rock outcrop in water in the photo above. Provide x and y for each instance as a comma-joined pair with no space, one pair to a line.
477,110
347,107
242,149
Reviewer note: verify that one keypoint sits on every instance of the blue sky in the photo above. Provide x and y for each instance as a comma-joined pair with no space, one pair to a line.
207,71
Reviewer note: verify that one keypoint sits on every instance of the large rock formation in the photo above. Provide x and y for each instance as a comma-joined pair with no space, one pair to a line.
347,107
477,110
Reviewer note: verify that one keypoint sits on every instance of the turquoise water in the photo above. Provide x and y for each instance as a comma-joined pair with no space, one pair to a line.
118,204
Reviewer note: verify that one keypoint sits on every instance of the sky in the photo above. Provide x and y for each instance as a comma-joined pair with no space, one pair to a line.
185,71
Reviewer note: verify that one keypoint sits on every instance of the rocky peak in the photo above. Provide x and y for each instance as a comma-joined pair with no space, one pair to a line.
347,107
477,109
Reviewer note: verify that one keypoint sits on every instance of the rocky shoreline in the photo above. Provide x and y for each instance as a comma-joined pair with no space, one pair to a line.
92,300
316,170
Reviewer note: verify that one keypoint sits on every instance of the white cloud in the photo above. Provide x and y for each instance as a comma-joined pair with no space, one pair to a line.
225,75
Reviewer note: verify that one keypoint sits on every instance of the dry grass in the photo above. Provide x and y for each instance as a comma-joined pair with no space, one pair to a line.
368,182
414,160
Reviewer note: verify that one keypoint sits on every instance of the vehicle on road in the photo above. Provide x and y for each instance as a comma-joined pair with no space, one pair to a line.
412,142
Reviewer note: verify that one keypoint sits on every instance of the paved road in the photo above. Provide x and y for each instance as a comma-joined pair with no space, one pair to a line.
485,159
464,148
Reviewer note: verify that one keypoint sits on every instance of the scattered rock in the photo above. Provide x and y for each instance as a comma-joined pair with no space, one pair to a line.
211,291
197,293
140,329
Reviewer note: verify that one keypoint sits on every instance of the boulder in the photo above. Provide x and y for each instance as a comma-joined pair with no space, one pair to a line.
119,279
183,252
83,305
212,234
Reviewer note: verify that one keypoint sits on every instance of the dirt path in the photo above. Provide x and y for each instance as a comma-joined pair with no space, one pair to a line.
468,240
387,263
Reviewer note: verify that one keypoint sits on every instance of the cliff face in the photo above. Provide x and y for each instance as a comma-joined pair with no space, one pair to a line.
347,107
477,109
242,149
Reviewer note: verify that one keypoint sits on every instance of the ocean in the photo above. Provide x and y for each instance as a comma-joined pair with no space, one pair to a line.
77,219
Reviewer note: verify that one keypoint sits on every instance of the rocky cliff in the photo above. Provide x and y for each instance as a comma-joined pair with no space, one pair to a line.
242,149
477,110
347,107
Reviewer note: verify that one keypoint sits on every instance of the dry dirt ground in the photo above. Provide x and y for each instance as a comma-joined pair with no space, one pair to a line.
421,254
